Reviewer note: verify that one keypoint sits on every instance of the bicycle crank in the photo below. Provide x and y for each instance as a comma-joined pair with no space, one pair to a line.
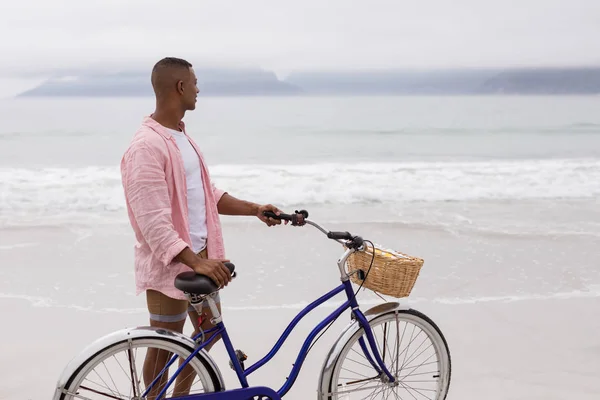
241,356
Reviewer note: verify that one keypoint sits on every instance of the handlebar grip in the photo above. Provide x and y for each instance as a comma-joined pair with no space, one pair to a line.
296,219
271,214
339,235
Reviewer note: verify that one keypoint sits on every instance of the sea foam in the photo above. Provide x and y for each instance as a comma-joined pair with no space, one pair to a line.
58,191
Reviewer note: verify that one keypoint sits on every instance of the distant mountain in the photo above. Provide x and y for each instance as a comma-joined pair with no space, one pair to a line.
545,81
389,82
449,82
212,82
233,82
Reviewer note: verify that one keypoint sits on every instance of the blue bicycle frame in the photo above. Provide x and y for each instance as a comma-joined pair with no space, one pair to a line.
247,391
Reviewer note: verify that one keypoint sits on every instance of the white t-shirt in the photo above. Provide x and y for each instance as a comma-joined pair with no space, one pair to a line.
195,191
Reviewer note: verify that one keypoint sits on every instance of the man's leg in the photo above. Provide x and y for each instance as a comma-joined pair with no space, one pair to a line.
169,313
185,379
206,312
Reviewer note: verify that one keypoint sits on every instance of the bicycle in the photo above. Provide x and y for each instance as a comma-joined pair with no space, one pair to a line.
360,337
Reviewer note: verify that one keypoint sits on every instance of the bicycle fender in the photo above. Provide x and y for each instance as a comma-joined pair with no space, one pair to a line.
345,335
124,335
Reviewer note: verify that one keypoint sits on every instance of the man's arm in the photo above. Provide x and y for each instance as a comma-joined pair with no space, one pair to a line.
229,205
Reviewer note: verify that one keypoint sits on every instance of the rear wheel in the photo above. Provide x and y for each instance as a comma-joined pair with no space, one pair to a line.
413,349
117,372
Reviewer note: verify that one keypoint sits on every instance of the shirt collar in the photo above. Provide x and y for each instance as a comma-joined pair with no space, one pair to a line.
161,130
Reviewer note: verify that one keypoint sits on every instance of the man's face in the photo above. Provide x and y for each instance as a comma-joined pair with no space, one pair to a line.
190,92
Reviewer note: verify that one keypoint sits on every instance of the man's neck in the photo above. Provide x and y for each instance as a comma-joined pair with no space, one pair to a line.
168,116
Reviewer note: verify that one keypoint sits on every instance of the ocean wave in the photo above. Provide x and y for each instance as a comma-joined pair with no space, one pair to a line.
60,191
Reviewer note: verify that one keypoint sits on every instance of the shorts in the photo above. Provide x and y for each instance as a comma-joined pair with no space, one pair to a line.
163,308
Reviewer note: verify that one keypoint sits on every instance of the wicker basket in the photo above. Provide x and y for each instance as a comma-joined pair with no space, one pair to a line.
392,273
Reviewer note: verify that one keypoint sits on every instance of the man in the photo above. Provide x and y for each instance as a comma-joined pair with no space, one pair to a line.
174,208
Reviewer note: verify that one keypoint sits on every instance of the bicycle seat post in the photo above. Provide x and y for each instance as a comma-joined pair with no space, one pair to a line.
198,302
215,311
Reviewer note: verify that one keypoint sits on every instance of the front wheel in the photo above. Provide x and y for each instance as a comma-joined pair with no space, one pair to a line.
413,349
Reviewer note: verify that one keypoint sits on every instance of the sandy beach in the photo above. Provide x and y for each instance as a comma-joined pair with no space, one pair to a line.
503,347
535,350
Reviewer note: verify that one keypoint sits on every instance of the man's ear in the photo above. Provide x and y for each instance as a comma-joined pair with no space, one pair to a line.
180,87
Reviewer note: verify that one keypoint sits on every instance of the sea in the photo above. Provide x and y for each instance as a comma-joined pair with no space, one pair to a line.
499,194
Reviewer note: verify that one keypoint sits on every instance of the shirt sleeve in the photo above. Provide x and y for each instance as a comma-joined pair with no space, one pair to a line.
147,194
218,193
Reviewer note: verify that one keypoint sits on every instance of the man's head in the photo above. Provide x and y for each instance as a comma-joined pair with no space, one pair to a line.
174,82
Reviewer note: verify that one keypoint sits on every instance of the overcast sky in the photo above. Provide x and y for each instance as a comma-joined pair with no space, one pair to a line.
38,35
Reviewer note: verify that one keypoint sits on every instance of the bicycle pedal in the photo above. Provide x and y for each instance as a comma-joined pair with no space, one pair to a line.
241,356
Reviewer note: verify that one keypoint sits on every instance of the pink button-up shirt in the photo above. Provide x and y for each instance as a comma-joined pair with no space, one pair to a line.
153,177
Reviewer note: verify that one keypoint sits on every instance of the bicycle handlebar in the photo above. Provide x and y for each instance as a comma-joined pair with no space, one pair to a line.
299,218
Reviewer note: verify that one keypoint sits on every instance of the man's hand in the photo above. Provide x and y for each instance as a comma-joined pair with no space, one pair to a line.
268,220
214,269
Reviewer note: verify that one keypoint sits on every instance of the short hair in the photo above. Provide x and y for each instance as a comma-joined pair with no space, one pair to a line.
171,62
167,63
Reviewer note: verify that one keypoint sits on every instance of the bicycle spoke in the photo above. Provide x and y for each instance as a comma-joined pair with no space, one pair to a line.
417,390
134,382
105,384
384,341
360,389
76,395
409,343
360,354
120,366
100,393
399,342
407,391
376,392
360,380
376,342
356,373
363,386
413,353
391,392
421,373
420,354
364,365
385,344
395,391
110,376
420,365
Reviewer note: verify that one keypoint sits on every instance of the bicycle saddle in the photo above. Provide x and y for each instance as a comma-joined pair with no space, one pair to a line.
194,283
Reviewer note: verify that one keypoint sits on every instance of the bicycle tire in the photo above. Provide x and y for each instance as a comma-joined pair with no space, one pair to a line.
199,364
413,316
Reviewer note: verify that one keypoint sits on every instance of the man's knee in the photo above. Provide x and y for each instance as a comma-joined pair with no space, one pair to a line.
176,326
166,312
